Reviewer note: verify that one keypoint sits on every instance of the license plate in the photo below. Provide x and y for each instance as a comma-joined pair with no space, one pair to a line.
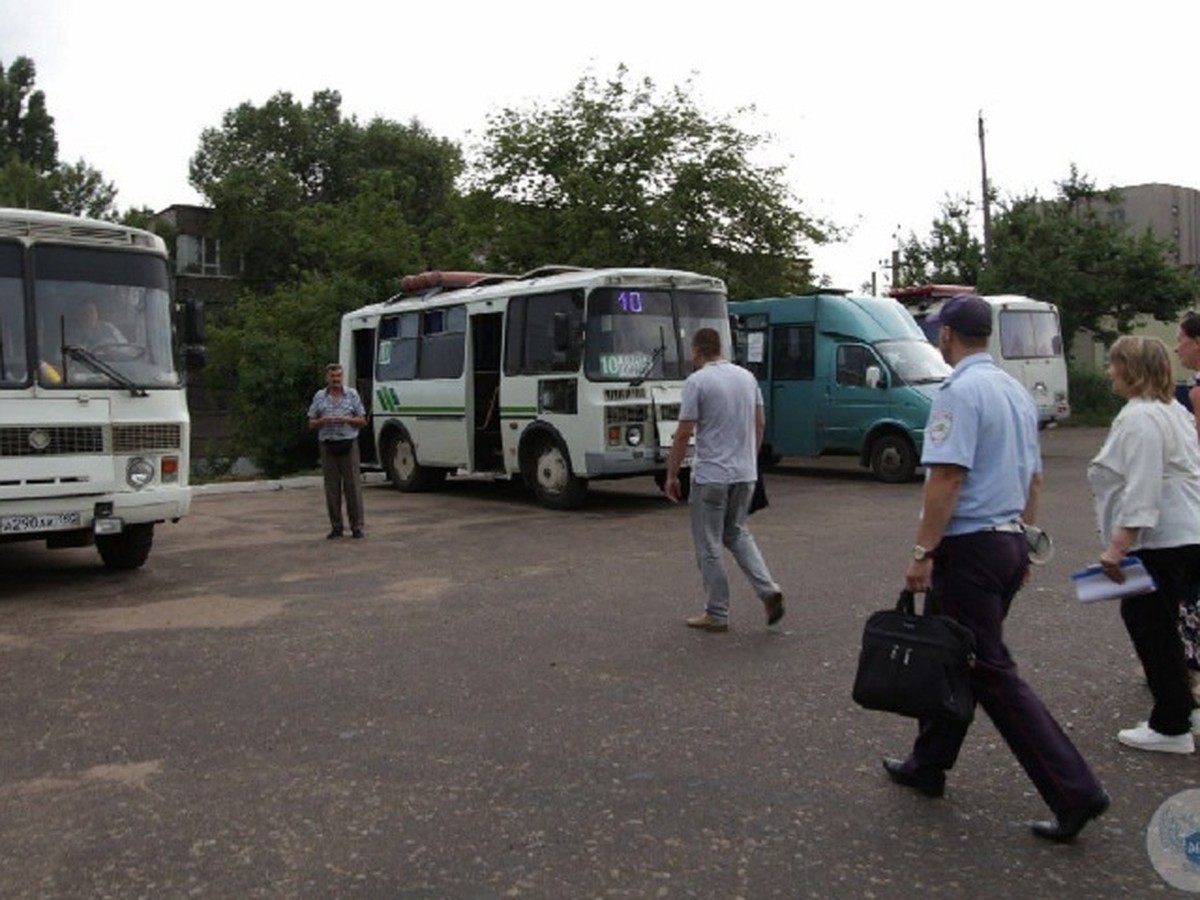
46,522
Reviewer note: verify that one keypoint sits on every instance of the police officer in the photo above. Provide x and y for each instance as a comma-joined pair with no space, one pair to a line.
983,477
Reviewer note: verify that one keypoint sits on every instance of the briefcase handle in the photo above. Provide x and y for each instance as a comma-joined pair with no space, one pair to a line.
907,603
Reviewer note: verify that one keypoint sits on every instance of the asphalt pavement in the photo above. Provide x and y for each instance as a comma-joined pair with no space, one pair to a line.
487,699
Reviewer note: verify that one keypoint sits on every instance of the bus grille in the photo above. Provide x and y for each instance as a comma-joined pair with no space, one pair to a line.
614,415
136,438
52,440
668,412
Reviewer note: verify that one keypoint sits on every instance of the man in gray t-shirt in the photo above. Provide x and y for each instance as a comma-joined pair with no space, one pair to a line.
722,406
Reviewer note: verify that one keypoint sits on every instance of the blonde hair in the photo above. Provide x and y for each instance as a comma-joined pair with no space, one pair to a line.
1144,364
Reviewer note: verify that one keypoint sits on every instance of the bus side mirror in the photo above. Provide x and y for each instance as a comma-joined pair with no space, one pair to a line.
194,358
193,323
194,355
874,378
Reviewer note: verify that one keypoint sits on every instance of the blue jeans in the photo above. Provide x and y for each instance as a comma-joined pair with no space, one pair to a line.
719,520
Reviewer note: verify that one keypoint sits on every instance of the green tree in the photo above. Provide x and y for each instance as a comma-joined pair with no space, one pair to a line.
23,187
266,169
26,128
1067,250
30,174
80,190
273,349
619,174
950,255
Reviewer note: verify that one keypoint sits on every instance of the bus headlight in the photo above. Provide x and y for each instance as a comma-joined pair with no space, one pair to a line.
139,473
633,435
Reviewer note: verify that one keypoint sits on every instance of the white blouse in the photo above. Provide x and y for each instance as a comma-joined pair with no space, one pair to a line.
1147,475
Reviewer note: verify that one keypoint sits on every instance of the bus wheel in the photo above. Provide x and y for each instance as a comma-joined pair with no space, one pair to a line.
127,550
403,470
893,458
553,482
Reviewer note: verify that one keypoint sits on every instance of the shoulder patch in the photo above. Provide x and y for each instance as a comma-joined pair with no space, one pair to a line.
941,423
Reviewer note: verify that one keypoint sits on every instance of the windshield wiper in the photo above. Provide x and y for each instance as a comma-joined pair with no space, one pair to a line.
658,351
94,362
654,355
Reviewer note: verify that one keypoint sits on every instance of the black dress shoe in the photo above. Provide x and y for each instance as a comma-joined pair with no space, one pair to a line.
1069,824
930,782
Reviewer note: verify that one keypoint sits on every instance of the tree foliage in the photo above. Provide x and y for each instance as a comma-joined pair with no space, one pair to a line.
274,349
1068,250
274,173
31,177
26,127
950,255
81,190
619,174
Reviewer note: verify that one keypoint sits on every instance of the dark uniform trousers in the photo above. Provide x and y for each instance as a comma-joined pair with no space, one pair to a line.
975,577
1152,621
341,473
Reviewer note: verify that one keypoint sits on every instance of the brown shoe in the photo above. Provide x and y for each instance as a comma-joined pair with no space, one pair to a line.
706,623
774,605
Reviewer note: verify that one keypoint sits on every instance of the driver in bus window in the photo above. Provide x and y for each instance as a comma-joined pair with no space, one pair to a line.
91,331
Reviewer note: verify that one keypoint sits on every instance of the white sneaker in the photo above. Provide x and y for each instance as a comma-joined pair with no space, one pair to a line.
1143,737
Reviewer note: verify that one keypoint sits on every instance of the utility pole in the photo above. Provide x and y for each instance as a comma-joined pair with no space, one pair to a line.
987,203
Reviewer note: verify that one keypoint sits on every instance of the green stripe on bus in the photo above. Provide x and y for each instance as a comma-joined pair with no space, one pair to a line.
518,410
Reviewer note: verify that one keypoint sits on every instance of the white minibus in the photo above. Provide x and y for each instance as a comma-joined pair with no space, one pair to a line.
559,376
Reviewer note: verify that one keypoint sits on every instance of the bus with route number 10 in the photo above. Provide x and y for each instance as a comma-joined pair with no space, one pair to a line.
94,424
558,377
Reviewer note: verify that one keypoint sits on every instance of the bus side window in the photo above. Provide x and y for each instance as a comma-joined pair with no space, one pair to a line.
792,353
397,357
443,343
852,362
533,343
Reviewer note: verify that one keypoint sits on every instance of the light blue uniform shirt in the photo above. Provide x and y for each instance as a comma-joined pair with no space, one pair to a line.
984,420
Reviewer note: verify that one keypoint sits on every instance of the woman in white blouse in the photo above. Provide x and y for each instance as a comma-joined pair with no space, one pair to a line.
1146,485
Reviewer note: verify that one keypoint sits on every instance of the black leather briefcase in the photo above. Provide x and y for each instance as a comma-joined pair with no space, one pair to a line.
916,665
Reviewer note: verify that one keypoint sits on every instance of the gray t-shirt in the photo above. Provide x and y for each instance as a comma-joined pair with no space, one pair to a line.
722,399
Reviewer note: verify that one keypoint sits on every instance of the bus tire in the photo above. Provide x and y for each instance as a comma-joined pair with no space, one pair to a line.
403,470
127,550
554,483
893,458
685,482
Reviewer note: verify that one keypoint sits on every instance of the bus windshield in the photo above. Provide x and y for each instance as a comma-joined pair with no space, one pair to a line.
102,319
914,362
1029,334
646,333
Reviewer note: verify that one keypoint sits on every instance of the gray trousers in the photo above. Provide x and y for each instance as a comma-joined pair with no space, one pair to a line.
719,521
342,476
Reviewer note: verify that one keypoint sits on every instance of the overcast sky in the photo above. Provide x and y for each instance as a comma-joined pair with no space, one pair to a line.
873,106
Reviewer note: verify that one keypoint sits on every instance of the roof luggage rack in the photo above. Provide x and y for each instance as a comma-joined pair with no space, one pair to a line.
547,271
443,281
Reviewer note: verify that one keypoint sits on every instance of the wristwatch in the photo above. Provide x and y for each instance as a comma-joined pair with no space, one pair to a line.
920,554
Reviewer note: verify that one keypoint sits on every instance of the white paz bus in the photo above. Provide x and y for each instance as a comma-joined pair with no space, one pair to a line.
94,423
1026,341
558,376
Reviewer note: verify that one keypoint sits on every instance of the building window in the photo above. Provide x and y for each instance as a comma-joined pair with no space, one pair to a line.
197,255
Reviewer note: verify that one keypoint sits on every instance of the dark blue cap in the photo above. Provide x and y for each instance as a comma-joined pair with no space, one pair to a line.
967,314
